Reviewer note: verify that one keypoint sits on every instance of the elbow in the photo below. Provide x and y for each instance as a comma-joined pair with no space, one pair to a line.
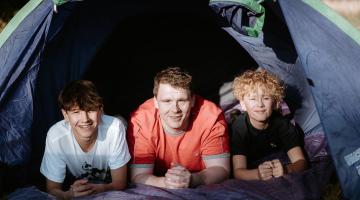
120,186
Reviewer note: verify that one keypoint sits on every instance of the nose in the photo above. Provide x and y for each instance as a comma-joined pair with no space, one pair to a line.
175,107
260,102
84,116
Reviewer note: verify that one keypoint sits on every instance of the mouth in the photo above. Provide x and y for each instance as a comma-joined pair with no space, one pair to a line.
86,126
177,117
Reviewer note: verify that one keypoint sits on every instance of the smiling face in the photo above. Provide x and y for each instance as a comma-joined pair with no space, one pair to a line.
84,124
174,105
259,105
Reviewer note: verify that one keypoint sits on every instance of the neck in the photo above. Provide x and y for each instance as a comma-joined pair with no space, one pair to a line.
86,144
259,125
172,131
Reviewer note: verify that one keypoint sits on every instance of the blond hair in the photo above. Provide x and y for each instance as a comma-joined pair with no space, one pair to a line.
250,80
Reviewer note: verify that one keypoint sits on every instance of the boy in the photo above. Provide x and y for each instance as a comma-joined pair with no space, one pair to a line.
87,146
261,131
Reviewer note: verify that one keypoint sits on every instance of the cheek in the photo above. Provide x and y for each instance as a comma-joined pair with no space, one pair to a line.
185,108
163,109
270,104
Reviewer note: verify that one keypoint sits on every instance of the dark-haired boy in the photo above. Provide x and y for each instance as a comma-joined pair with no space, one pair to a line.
87,145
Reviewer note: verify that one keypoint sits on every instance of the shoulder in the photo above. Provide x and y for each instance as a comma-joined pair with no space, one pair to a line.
279,121
111,125
145,111
58,131
239,125
206,112
206,106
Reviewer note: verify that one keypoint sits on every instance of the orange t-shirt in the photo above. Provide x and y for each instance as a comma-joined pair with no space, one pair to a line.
150,146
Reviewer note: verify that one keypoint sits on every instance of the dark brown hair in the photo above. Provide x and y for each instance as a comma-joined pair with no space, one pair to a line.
174,76
81,94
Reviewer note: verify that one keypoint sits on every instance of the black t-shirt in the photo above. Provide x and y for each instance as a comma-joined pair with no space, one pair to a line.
280,135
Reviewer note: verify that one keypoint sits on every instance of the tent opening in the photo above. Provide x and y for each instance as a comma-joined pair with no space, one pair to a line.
124,67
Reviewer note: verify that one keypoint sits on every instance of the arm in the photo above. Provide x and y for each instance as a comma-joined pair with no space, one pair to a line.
240,171
145,176
54,188
298,163
118,177
217,170
297,158
83,187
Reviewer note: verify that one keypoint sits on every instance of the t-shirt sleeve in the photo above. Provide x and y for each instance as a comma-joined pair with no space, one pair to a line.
290,135
141,150
239,145
216,144
119,149
53,166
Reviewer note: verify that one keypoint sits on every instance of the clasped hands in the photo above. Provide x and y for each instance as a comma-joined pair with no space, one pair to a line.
270,169
83,187
177,177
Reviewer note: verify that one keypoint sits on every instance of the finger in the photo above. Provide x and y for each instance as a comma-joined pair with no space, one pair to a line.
176,178
276,162
83,193
82,188
266,165
174,164
175,184
261,169
80,182
269,163
176,171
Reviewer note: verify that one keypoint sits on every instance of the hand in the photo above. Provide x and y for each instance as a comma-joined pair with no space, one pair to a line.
81,188
177,177
265,170
278,169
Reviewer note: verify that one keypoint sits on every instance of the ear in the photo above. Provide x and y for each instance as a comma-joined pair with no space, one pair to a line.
156,103
65,115
101,110
193,99
277,105
242,104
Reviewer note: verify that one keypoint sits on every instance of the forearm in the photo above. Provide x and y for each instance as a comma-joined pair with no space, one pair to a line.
113,186
59,194
298,166
150,179
209,175
246,174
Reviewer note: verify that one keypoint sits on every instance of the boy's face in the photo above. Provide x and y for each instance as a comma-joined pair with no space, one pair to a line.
259,105
174,105
84,124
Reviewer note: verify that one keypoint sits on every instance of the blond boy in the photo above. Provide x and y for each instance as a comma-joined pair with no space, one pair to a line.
262,131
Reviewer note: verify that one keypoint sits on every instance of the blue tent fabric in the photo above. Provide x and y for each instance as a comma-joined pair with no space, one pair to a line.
331,60
19,64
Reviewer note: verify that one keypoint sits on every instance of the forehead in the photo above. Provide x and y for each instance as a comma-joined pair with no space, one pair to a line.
77,108
257,90
168,91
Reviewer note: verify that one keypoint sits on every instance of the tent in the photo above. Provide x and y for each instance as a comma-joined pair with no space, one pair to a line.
121,45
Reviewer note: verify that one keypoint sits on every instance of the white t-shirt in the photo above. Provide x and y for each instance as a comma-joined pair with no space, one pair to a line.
62,152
